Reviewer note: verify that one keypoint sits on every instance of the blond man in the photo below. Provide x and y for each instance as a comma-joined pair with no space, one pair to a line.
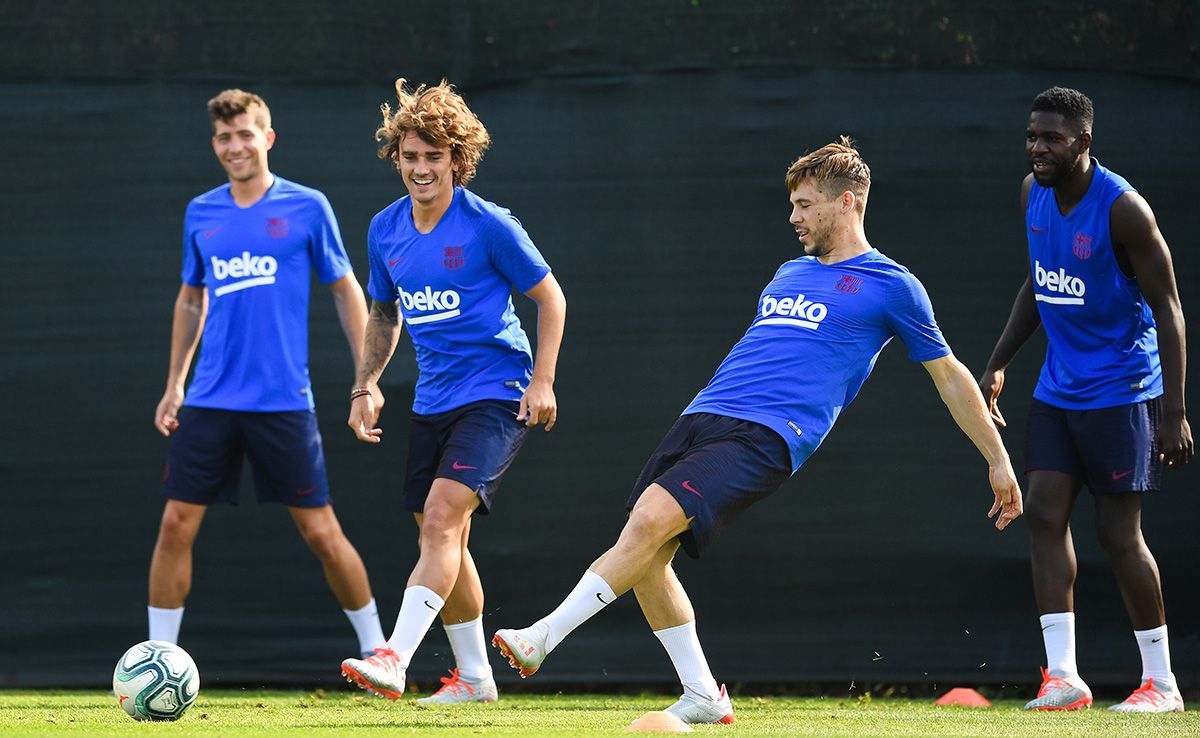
820,324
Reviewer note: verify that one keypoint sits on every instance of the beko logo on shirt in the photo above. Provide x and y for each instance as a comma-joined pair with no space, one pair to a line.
252,271
1061,282
797,311
440,304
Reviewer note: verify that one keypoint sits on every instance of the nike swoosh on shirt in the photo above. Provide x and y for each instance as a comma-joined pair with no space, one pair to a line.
687,484
1122,475
394,262
1035,229
459,467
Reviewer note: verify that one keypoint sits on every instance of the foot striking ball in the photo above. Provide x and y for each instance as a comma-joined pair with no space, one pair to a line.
156,680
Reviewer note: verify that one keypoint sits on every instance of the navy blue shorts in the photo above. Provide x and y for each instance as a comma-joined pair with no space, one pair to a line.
473,445
715,467
1112,449
204,463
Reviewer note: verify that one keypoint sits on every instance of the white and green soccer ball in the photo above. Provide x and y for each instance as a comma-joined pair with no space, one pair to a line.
156,680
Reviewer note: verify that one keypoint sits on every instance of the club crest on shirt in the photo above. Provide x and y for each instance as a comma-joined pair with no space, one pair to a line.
1082,246
277,227
452,257
848,284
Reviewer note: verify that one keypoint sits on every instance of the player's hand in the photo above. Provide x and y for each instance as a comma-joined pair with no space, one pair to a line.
364,414
165,415
1008,495
538,404
1174,439
991,384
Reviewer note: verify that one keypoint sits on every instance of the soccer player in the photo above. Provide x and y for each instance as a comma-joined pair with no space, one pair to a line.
248,249
445,261
820,325
1108,410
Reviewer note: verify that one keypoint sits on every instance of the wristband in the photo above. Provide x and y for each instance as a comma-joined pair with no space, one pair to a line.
358,392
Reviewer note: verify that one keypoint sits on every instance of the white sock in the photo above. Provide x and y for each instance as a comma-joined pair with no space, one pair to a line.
470,649
1058,633
418,610
588,598
164,623
366,626
684,649
1156,658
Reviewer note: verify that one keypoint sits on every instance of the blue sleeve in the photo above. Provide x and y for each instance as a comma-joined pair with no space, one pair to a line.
325,248
192,273
513,254
910,316
380,286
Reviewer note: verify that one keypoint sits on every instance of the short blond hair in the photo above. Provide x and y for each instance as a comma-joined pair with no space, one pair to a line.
232,103
440,117
836,168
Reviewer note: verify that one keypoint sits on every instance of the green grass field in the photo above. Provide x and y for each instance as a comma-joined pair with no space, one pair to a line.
292,713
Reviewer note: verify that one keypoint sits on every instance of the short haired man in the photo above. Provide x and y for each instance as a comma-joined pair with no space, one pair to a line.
821,323
248,249
445,261
1109,405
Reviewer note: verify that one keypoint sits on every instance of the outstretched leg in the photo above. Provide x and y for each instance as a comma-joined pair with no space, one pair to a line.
656,518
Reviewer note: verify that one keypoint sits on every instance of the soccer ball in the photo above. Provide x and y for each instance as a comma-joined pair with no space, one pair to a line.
156,680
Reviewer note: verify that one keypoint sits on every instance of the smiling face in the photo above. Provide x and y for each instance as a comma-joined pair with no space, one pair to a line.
816,217
241,145
427,170
1055,147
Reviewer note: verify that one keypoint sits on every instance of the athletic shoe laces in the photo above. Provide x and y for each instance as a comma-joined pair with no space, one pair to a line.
1145,693
453,684
1050,683
384,657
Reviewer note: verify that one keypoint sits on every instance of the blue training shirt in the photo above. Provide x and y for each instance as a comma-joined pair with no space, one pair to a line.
817,334
1103,343
454,288
255,263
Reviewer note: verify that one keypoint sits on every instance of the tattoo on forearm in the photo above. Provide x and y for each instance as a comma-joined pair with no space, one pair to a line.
379,341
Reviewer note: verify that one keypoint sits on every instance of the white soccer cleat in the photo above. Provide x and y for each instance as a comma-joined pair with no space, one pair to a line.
380,674
525,648
455,689
1057,693
695,709
1149,698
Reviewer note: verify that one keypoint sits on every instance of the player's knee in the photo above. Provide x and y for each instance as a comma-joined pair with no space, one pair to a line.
1044,522
176,531
326,542
649,525
442,526
1119,541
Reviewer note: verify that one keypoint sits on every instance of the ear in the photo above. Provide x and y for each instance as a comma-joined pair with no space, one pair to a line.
270,136
848,200
1085,140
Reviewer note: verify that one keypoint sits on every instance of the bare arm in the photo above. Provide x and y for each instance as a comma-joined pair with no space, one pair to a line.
352,312
1136,233
379,341
538,404
191,305
958,390
1023,321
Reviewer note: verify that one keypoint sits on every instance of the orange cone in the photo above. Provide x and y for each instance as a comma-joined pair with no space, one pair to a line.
963,696
659,721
